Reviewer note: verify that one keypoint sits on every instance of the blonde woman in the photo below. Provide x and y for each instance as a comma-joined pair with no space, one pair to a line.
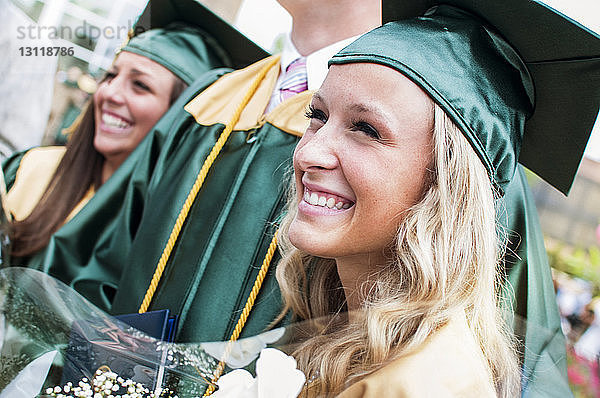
414,134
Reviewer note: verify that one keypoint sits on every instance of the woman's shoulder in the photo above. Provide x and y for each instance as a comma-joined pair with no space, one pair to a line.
45,153
449,363
35,170
33,158
37,162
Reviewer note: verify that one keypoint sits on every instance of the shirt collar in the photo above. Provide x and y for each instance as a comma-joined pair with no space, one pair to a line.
316,63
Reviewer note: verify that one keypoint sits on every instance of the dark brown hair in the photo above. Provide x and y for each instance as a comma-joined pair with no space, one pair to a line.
78,171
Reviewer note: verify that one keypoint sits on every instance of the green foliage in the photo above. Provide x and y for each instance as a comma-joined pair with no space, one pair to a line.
579,262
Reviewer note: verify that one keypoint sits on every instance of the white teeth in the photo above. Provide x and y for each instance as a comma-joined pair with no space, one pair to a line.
314,199
112,121
330,203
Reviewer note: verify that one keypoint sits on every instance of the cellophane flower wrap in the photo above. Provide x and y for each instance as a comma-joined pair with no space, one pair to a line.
56,344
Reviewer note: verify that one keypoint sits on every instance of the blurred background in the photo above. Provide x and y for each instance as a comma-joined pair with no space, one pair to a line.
42,95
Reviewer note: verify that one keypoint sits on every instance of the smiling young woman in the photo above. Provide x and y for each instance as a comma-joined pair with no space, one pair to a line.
368,147
133,96
413,136
146,77
413,258
367,125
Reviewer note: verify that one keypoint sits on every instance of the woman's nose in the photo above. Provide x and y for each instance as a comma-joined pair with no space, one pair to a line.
113,90
316,150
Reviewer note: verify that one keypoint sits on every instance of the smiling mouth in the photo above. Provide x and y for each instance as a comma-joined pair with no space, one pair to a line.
322,199
114,121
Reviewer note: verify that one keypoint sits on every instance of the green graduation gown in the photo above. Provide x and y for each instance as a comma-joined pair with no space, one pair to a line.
537,322
229,228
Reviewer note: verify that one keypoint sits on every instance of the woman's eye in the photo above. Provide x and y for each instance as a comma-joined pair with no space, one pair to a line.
367,129
317,114
141,85
108,76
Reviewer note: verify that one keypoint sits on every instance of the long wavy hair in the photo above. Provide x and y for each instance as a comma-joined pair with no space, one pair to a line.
79,170
445,258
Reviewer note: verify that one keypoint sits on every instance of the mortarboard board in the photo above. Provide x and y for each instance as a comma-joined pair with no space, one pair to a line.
563,58
160,13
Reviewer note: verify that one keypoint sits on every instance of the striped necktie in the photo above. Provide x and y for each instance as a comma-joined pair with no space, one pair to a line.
294,81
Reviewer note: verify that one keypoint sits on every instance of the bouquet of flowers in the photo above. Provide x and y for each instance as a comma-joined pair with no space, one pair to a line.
56,344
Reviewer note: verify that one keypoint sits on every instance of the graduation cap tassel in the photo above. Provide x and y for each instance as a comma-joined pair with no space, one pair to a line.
189,201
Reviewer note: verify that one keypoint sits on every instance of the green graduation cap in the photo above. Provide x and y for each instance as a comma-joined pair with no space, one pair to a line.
185,50
240,50
520,79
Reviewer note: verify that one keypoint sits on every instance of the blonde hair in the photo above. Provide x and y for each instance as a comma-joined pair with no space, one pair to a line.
446,253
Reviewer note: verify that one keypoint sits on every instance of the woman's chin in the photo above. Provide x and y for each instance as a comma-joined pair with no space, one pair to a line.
308,241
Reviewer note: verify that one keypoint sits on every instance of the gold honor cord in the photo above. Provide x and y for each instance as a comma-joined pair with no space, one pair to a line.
160,267
245,312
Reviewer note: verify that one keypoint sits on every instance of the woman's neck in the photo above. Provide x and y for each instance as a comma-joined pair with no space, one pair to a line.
355,273
108,169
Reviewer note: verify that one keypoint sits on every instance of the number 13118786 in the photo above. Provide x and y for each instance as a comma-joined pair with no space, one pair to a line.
46,51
